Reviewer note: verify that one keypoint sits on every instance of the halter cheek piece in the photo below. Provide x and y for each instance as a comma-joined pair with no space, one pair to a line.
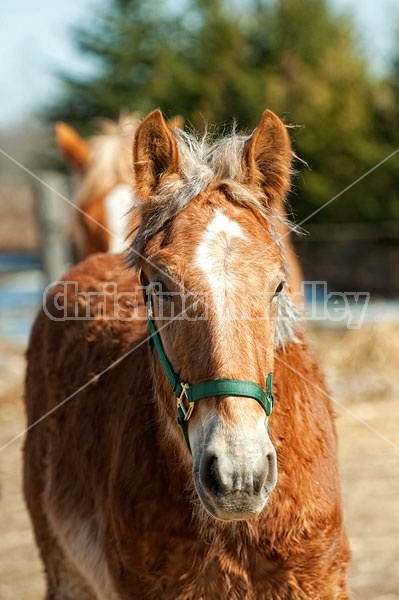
187,395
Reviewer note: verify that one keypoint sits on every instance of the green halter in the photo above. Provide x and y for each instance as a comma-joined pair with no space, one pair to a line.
187,395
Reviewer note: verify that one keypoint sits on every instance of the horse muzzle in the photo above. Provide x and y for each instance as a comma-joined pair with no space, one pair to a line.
234,477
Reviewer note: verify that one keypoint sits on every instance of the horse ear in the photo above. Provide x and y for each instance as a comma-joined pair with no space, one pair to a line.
155,154
74,150
268,156
176,122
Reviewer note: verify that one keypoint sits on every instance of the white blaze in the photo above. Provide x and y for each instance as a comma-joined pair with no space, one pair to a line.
212,258
117,205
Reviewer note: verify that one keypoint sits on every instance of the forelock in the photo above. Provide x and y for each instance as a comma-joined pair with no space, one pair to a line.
203,161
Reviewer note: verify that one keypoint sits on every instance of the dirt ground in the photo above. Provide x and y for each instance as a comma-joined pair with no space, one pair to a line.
362,371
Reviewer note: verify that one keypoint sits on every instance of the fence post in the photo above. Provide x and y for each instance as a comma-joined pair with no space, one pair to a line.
54,216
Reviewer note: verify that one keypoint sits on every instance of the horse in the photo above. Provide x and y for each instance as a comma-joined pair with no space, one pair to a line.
182,445
105,191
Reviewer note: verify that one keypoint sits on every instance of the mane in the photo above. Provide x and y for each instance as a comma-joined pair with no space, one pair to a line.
204,161
111,157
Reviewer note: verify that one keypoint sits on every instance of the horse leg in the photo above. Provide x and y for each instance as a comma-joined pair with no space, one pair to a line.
64,582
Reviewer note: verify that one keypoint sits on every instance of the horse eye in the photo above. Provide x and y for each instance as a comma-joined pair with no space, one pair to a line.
157,288
279,288
160,291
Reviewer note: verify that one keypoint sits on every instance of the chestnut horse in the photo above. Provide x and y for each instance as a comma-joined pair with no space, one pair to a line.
231,502
105,195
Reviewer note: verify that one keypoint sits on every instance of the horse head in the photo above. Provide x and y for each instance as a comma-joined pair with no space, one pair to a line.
215,275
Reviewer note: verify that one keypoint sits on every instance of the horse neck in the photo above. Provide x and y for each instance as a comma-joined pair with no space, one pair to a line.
298,376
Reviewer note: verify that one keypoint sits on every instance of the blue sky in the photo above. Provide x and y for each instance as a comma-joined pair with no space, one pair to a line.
35,41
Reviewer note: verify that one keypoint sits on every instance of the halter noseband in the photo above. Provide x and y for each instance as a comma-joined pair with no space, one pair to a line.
186,395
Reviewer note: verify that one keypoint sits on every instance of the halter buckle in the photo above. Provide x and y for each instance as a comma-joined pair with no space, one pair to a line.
187,412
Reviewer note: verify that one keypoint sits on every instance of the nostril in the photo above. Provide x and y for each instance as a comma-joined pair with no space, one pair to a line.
271,479
210,475
260,476
258,481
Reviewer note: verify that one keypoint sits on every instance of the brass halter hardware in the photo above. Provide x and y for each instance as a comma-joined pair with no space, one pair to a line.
187,412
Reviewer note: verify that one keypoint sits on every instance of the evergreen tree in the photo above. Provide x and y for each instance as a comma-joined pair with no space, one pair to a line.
212,60
319,81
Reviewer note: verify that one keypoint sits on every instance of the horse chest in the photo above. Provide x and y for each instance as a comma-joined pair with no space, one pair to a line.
186,569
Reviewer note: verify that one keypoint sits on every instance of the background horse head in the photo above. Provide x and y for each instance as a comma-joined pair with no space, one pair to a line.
105,192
